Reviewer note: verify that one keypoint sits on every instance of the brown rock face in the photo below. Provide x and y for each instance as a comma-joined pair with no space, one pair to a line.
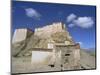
61,37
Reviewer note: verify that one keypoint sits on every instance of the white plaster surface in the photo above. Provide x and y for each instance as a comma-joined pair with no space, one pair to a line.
40,57
19,35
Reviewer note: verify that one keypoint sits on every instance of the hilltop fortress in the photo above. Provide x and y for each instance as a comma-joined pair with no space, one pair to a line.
42,32
50,45
50,29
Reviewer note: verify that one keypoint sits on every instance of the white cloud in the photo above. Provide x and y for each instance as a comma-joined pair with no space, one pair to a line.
71,25
80,43
84,22
71,17
30,12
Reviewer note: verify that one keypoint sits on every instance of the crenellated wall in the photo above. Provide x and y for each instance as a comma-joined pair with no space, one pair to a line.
50,29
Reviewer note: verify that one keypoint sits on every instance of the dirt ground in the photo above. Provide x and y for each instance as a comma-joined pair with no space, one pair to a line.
24,64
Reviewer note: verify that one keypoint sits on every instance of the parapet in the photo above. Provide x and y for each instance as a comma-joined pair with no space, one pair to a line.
53,27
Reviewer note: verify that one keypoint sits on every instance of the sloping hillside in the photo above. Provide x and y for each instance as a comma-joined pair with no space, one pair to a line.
20,48
87,60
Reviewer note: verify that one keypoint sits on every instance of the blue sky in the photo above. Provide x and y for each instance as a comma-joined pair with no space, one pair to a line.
80,20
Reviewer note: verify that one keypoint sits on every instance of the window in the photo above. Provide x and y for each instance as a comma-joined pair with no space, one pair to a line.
67,54
51,65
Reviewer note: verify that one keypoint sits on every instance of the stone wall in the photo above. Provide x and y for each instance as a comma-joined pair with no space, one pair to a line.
50,29
66,57
69,56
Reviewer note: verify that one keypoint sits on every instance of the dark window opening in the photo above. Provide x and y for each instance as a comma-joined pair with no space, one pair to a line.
67,54
61,65
51,65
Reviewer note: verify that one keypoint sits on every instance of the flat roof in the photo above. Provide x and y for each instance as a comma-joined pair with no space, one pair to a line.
63,45
41,49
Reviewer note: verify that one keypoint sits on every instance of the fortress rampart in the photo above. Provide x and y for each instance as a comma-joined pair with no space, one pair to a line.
50,29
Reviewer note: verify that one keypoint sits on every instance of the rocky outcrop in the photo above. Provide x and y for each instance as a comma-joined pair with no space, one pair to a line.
40,38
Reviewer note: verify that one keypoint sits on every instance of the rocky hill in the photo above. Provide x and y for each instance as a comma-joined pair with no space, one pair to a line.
88,61
24,39
39,38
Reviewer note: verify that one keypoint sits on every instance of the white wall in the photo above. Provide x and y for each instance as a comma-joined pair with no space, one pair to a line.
41,57
19,35
50,45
